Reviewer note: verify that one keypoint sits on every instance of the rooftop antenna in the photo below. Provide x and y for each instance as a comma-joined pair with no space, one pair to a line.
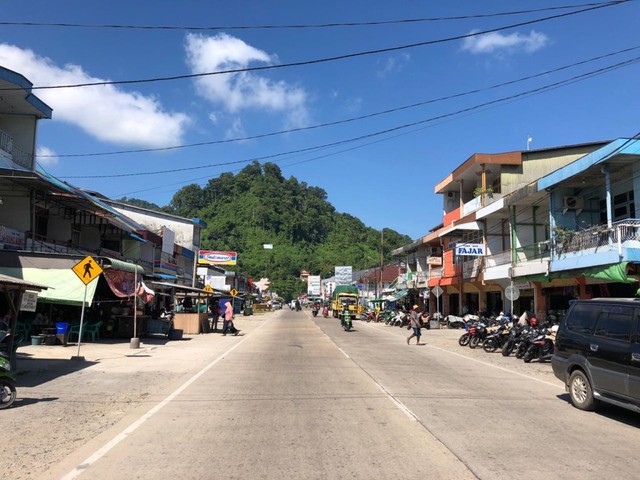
529,140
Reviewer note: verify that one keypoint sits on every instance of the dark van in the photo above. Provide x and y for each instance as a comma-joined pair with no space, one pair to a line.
597,353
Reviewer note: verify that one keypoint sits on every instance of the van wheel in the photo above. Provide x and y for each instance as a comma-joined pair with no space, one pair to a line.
581,392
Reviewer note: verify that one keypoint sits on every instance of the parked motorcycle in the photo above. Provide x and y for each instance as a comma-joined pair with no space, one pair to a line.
477,334
512,342
497,338
541,347
7,383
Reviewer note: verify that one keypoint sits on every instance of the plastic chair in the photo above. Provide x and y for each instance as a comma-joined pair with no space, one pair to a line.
75,330
93,331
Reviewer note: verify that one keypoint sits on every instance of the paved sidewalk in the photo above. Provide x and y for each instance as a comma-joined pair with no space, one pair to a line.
37,364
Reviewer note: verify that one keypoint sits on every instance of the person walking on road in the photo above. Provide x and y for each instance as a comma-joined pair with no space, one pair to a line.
227,324
414,319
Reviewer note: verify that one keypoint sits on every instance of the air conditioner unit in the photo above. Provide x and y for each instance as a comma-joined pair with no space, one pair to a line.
573,203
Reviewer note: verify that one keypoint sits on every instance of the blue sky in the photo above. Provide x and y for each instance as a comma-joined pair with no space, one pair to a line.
385,179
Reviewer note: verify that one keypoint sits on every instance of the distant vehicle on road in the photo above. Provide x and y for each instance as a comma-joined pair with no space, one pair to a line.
276,305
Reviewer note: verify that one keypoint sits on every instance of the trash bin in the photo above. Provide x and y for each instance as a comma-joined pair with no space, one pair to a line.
62,328
62,332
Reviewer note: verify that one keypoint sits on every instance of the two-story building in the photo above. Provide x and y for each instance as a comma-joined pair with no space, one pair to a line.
510,219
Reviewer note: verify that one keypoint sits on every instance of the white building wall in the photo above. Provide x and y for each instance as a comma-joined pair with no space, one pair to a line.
154,222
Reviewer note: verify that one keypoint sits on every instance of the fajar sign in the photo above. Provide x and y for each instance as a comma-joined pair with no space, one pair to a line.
470,249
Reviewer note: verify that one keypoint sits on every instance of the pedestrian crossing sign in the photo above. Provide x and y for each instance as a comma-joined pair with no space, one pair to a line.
87,270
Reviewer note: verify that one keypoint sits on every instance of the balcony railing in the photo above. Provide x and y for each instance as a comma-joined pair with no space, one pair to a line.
480,201
498,259
18,155
533,252
598,236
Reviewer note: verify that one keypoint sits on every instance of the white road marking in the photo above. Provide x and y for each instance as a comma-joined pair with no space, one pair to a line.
401,406
101,452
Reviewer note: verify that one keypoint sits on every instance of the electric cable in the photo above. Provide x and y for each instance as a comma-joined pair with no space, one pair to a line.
298,26
381,132
318,60
347,120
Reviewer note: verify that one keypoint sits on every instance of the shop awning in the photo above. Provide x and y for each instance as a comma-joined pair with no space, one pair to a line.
186,288
396,296
616,272
116,264
64,286
462,227
19,283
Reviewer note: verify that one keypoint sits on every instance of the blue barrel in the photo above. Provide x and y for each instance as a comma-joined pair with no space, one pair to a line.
62,328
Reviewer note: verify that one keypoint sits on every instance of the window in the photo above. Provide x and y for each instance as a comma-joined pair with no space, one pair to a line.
583,317
622,205
615,323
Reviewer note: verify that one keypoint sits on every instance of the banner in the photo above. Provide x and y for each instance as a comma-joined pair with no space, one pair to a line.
214,257
313,285
344,275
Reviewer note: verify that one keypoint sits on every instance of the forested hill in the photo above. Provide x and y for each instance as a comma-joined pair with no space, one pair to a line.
259,206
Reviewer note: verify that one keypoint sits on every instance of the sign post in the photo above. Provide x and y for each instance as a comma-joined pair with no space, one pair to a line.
87,271
437,291
512,292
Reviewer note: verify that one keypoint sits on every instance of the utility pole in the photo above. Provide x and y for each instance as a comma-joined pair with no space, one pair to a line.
381,257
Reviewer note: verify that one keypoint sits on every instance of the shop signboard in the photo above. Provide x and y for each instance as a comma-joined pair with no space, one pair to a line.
313,285
470,249
11,239
215,257
29,301
434,260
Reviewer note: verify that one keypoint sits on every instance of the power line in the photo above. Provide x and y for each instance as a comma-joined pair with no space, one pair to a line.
347,120
320,60
300,26
388,130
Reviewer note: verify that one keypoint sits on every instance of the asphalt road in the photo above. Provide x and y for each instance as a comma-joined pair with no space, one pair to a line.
298,397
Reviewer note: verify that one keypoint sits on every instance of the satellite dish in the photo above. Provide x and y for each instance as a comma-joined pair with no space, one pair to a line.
512,292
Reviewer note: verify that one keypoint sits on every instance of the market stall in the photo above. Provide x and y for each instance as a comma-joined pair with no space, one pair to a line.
191,306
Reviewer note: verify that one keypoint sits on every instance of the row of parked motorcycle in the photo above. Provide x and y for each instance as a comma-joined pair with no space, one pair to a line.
524,338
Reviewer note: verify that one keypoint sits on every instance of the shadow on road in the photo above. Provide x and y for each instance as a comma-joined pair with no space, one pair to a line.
33,371
612,412
23,402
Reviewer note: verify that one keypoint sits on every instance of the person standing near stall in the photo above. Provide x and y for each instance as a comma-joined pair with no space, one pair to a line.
214,308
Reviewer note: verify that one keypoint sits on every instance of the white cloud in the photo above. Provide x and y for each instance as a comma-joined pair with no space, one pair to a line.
512,43
46,157
244,90
393,64
235,130
106,112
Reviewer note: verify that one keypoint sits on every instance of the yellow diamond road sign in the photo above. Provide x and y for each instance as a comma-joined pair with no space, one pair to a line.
87,270
234,292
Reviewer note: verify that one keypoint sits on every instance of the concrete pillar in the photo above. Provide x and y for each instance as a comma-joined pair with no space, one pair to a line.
540,302
582,288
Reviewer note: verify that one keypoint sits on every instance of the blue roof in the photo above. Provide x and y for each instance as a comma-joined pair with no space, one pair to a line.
621,146
21,82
